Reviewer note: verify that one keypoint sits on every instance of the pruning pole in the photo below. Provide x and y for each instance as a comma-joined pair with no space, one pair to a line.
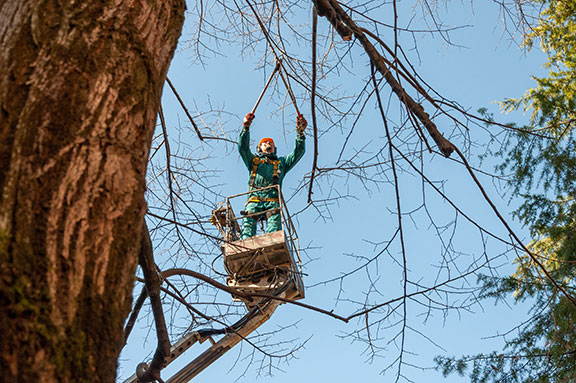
287,85
276,69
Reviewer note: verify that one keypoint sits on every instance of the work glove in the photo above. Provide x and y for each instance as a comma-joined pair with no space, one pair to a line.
248,120
301,124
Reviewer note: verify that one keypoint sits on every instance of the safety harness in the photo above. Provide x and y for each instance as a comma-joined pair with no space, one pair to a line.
256,161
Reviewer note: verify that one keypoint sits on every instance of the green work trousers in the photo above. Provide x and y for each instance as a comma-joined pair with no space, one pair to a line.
273,222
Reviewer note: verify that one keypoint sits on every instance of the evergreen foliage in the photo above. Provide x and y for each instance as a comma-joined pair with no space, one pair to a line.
541,162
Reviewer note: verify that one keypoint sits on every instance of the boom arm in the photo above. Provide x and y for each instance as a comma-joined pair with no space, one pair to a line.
254,319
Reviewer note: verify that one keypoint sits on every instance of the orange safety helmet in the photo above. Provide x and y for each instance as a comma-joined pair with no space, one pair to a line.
266,139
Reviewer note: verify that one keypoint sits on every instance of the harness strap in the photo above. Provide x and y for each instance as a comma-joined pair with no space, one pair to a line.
257,161
275,172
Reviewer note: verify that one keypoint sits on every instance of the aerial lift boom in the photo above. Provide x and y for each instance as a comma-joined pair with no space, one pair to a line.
267,264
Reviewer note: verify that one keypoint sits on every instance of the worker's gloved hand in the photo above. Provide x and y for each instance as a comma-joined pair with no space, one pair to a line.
301,124
248,120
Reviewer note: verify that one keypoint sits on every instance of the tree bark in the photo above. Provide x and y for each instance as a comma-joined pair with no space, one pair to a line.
80,86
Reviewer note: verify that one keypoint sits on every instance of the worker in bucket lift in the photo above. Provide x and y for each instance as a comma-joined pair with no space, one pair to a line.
266,169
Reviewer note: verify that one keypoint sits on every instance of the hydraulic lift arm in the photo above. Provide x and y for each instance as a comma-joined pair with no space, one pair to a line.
223,345
254,319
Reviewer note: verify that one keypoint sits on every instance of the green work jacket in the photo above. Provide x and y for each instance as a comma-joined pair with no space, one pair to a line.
264,173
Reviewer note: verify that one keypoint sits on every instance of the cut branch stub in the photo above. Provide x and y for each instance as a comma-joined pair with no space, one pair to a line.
337,16
325,9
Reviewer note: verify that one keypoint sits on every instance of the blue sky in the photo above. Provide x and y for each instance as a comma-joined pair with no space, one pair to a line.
482,66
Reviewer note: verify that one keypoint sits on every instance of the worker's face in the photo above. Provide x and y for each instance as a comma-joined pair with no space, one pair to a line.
267,147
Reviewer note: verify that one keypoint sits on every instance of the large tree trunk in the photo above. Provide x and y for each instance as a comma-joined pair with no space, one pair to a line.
80,86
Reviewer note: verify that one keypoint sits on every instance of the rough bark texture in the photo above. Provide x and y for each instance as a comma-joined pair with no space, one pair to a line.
80,84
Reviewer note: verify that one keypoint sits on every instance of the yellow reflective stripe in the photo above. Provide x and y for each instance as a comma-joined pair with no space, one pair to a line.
258,199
